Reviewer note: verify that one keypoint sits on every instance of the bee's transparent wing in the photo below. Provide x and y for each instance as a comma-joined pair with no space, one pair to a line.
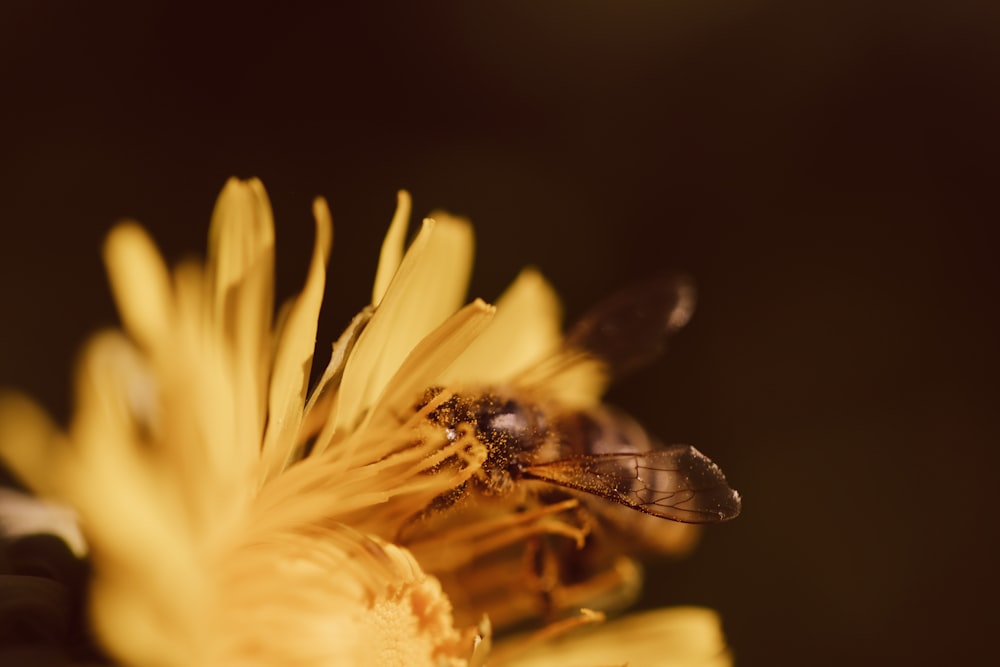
628,330
620,334
676,482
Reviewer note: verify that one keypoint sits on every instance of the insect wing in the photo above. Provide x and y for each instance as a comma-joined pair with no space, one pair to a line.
628,330
619,335
676,482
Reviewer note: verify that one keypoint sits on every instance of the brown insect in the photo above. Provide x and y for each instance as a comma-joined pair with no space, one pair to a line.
595,467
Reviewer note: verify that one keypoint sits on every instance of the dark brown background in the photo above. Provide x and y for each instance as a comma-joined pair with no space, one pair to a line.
827,171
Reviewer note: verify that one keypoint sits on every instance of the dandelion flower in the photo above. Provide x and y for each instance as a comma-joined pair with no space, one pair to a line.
181,422
233,517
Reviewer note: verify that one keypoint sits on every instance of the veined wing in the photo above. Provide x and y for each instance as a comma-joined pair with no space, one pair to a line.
676,482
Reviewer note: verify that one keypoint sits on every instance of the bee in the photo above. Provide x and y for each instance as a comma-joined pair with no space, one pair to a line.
590,482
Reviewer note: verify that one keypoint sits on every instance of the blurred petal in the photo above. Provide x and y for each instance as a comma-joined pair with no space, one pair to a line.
140,283
240,241
677,637
31,444
139,506
214,445
114,472
240,273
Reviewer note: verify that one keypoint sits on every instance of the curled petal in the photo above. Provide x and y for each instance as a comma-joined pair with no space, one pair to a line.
392,247
294,354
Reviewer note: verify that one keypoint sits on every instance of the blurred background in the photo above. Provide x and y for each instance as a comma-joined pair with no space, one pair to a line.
826,171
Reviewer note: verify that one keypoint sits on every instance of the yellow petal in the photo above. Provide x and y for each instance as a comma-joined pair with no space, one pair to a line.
392,247
141,508
117,470
525,330
240,237
422,368
133,625
212,442
31,445
676,637
430,359
321,409
140,283
241,275
428,287
290,378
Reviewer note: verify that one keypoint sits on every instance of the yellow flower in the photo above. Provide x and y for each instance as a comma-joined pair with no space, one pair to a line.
180,428
234,518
